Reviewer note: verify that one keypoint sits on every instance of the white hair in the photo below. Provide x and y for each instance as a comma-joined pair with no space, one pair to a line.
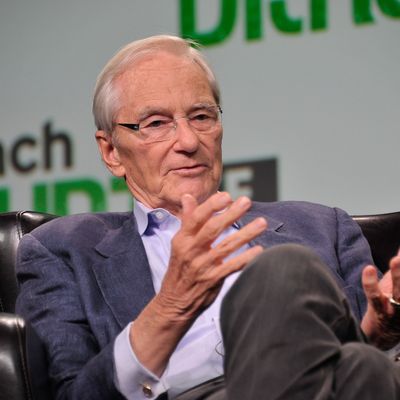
106,97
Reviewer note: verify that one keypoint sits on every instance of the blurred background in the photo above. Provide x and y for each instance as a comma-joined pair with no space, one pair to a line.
310,97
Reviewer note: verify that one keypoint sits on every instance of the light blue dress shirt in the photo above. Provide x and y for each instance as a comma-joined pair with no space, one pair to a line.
199,355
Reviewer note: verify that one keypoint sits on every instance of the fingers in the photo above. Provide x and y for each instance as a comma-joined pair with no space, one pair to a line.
209,219
214,258
370,282
381,323
372,290
238,239
395,271
202,224
239,262
193,218
217,223
197,269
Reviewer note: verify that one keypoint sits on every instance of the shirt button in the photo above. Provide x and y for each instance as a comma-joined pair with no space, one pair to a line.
159,215
147,390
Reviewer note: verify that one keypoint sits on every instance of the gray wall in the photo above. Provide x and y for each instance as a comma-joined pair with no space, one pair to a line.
323,103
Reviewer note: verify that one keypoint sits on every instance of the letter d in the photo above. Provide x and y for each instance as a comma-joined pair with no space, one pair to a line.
216,35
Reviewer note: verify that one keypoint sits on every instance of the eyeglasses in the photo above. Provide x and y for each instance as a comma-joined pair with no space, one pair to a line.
157,128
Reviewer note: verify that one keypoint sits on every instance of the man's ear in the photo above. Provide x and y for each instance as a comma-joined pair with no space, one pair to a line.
109,154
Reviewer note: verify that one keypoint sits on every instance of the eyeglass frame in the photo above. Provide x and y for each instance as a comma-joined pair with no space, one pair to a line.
136,127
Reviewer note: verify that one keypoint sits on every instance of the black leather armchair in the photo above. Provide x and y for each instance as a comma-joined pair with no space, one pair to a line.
23,373
383,234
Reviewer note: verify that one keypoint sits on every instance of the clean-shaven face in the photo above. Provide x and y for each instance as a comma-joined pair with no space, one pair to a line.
159,173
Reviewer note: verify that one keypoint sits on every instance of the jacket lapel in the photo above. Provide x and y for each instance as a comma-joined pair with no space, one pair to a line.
123,273
271,236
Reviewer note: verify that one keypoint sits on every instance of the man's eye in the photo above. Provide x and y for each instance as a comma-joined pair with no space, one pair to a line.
203,116
155,123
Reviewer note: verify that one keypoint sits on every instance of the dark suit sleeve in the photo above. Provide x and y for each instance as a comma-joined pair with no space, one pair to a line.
354,254
78,367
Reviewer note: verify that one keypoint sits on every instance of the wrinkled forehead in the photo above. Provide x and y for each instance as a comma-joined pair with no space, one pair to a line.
163,78
161,65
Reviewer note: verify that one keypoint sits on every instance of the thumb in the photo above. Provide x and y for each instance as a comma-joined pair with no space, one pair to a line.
372,290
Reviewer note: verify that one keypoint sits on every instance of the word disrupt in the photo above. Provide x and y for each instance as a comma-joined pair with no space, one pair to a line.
281,19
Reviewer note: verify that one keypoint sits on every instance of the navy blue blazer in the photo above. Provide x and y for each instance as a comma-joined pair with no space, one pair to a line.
84,277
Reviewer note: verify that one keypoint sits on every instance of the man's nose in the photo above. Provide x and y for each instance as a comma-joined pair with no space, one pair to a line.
186,138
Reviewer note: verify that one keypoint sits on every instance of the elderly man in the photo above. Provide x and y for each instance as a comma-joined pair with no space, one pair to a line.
128,304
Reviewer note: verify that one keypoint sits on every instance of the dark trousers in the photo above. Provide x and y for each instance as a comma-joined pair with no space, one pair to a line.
289,334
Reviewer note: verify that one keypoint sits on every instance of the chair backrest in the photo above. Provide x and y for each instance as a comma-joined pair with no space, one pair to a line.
383,234
13,225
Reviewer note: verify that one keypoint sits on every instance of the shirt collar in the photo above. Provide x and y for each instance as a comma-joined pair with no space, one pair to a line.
142,216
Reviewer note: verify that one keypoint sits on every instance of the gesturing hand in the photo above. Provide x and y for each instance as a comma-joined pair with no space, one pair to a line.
195,274
197,270
381,322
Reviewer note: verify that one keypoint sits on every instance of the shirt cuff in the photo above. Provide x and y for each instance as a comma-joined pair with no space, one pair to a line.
132,379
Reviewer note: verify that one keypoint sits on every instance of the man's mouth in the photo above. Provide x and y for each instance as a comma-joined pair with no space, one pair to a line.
189,170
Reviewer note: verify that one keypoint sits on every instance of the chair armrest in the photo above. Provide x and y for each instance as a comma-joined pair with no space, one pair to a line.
22,361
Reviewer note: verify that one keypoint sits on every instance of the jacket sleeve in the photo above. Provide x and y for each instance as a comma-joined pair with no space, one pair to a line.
353,253
50,299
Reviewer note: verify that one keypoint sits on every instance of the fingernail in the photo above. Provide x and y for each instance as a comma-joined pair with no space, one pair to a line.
185,198
261,222
224,198
244,202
